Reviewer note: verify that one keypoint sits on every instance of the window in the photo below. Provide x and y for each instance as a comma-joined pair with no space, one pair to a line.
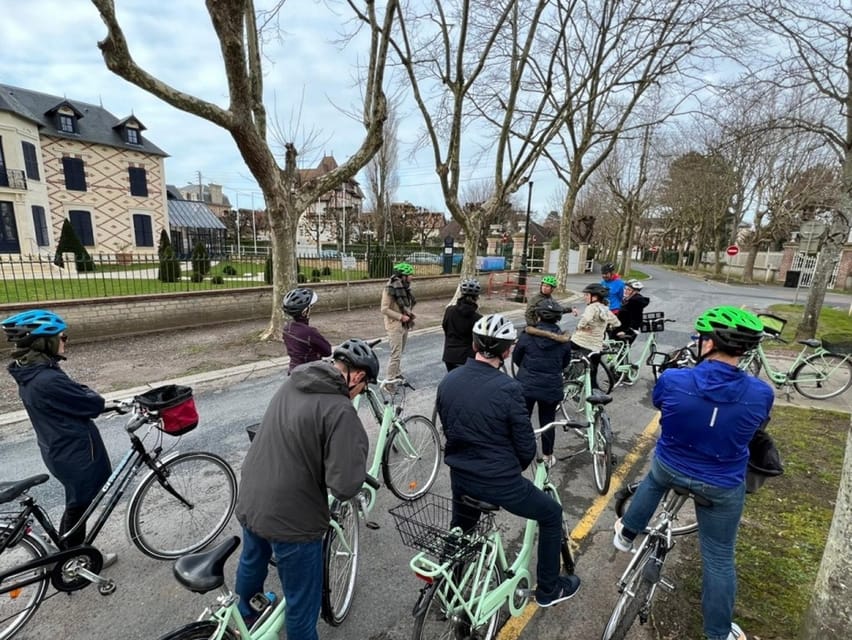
40,226
132,135
75,174
8,229
66,124
81,222
30,160
143,230
138,182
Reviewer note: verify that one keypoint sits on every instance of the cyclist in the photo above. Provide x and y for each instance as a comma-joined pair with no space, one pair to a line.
310,443
303,342
709,415
489,444
545,292
458,322
397,303
61,412
542,353
595,320
613,282
630,316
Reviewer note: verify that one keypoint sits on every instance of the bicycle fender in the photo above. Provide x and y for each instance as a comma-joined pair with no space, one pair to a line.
423,599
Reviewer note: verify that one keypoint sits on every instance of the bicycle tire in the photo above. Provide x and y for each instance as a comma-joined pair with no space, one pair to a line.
633,597
19,605
568,561
623,495
161,526
602,452
411,457
822,376
340,565
203,630
606,383
572,392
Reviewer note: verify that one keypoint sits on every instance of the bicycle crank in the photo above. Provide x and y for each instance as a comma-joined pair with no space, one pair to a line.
80,569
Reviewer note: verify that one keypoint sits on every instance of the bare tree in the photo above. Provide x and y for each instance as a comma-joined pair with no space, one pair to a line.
383,177
245,118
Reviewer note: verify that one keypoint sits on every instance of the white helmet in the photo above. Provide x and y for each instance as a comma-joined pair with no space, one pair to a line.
493,335
634,284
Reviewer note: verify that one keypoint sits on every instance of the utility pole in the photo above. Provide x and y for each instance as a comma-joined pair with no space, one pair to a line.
253,224
200,188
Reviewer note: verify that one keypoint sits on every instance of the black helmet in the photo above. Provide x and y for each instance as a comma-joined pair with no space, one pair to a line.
548,310
607,267
493,334
597,289
297,301
470,287
358,355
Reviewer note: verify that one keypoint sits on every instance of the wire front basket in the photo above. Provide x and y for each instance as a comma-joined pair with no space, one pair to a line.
424,525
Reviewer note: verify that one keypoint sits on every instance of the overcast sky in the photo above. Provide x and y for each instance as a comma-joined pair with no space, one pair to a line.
51,46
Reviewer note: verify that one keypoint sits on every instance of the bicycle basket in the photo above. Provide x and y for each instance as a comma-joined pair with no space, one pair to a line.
837,344
653,321
773,325
425,525
174,405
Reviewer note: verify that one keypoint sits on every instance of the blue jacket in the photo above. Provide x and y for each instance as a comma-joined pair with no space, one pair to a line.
541,360
709,415
61,413
485,421
616,292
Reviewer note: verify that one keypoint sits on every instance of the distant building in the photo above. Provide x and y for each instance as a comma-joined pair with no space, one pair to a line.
210,194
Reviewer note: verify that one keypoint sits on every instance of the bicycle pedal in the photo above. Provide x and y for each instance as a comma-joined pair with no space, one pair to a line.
667,584
372,524
524,593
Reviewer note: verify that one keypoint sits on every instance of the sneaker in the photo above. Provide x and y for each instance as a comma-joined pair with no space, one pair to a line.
619,540
549,461
109,560
736,633
566,587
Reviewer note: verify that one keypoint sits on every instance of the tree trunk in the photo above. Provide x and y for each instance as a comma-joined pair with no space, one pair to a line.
748,268
830,611
568,206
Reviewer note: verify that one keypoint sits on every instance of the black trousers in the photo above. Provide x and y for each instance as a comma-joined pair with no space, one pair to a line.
71,516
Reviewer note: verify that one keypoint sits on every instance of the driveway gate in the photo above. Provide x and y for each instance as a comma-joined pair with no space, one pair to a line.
806,265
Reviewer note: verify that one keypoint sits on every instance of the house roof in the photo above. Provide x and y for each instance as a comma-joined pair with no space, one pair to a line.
95,124
192,214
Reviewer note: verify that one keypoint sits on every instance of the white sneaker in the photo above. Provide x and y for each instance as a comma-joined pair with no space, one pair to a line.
549,461
736,633
109,560
618,540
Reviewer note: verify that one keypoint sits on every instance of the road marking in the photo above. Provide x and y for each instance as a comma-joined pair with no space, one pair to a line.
514,626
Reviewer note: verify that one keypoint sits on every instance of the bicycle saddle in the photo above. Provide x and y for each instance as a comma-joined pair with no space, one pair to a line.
598,397
203,572
699,500
478,504
11,490
811,342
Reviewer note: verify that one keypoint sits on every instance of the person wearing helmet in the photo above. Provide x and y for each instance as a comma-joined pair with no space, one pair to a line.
303,342
62,414
545,292
541,354
458,322
632,307
614,284
709,415
489,444
310,443
591,329
397,308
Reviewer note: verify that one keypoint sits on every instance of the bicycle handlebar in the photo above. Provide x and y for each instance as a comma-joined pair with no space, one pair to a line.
552,425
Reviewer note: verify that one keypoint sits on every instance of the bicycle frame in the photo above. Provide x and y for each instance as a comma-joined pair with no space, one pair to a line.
227,616
778,377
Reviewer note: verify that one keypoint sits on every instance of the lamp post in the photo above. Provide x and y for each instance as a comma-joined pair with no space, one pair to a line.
522,272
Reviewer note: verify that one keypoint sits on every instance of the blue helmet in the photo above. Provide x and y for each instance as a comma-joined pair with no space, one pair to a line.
23,328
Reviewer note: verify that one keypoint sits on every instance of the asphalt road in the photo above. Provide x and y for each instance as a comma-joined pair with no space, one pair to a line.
148,602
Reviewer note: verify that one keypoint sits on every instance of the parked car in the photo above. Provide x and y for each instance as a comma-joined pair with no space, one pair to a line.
423,257
329,253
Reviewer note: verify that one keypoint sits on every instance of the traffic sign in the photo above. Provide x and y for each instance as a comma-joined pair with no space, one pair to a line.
348,262
732,250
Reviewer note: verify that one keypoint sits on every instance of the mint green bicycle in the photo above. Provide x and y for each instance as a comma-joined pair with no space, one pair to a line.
616,353
469,581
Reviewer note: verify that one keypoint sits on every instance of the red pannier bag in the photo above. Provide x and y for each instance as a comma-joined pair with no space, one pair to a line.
174,406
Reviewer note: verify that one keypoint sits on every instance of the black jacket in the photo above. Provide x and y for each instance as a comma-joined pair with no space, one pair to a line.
631,312
485,421
458,330
540,360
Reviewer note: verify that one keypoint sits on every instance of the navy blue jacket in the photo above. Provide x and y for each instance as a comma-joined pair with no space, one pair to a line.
485,421
540,363
457,324
61,413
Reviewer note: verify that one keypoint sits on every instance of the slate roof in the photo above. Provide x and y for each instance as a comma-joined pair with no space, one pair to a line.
192,214
95,125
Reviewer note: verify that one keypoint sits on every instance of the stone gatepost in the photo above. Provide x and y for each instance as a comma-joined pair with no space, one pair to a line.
491,249
790,249
517,251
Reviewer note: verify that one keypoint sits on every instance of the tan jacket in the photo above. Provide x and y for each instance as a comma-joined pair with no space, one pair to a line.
593,325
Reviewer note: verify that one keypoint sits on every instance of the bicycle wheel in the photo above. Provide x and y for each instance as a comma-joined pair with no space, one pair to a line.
606,378
203,630
565,549
19,603
635,595
572,393
683,522
411,457
340,565
822,375
183,506
602,452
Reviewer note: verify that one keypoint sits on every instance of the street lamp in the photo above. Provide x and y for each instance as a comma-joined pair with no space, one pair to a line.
522,273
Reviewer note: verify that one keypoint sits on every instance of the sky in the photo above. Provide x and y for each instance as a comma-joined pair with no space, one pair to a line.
51,46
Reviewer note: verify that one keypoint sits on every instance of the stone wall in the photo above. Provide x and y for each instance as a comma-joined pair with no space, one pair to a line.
111,317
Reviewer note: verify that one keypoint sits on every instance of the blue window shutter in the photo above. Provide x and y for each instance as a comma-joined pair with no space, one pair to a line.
81,221
40,226
75,174
143,230
30,160
138,182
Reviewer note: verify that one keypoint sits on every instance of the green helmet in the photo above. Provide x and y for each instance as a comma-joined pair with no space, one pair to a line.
404,269
732,329
550,280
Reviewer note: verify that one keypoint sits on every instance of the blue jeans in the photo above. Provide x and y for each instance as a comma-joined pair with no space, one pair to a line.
520,497
717,536
300,571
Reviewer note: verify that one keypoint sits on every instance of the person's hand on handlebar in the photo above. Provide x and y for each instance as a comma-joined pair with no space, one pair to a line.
118,406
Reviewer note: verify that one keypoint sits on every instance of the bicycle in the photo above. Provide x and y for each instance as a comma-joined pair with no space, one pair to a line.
181,505
616,353
818,375
468,577
579,397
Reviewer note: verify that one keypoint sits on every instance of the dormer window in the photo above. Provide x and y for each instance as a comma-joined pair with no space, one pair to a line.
130,129
66,124
132,136
66,117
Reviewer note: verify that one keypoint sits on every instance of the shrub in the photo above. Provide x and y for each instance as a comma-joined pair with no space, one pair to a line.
301,278
326,271
217,280
200,259
169,266
197,276
229,270
164,242
315,275
70,243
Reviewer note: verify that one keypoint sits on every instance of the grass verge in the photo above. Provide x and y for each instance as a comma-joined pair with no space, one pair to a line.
781,537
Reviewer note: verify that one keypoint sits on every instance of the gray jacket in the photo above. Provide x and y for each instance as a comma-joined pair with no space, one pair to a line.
310,442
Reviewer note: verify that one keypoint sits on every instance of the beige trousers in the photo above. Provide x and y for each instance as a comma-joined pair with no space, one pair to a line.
397,337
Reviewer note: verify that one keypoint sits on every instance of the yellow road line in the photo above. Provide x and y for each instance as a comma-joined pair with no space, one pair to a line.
514,626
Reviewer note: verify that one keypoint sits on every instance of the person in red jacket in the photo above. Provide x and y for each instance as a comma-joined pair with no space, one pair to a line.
303,342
